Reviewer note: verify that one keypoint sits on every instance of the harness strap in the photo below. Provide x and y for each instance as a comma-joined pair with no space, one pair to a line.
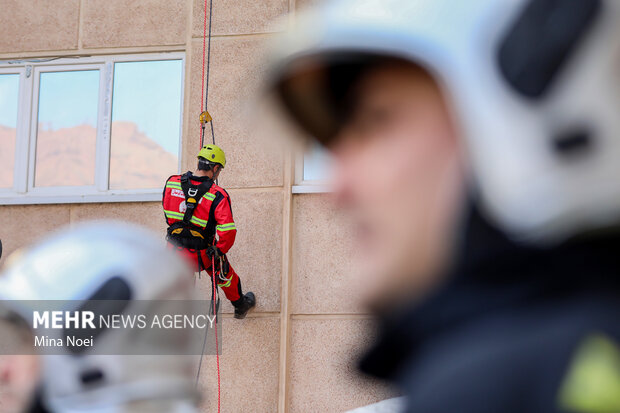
193,195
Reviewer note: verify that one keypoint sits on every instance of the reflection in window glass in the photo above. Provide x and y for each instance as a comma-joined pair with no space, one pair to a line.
9,94
146,120
67,128
317,164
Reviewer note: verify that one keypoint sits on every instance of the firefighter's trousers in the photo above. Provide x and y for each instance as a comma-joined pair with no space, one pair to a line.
231,286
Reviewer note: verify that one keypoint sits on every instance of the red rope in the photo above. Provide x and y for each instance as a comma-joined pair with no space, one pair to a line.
202,109
217,352
204,52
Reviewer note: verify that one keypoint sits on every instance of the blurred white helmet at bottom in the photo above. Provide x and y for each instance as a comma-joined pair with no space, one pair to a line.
108,260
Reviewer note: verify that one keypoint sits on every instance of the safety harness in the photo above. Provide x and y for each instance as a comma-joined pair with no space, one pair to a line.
183,233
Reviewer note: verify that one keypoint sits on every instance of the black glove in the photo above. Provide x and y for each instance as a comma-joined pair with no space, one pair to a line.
225,268
214,252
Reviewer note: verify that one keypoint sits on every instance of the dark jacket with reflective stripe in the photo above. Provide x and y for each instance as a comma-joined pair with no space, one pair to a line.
514,330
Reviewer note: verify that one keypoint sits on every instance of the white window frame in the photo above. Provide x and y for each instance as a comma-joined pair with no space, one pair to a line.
23,190
21,139
307,186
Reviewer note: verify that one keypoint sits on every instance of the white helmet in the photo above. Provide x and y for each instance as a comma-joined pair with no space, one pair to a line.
534,86
106,261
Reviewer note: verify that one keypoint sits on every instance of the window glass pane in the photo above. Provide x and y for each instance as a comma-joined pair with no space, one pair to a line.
146,120
317,164
67,128
9,94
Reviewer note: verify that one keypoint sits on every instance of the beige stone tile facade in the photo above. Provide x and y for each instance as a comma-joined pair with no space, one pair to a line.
324,354
38,26
114,23
323,282
240,16
248,365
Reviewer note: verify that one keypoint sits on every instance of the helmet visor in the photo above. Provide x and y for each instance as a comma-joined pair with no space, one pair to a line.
318,91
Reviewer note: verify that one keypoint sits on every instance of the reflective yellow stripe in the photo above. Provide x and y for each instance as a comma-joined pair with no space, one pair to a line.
198,221
226,227
193,220
174,185
226,284
172,214
592,384
177,185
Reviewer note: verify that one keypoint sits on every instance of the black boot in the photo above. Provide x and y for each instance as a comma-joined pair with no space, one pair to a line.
244,304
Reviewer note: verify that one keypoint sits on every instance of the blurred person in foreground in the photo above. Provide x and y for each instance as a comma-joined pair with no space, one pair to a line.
477,146
118,263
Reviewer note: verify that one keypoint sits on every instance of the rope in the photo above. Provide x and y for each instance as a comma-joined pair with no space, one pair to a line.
213,310
217,352
206,57
204,341
206,64
208,50
202,87
212,135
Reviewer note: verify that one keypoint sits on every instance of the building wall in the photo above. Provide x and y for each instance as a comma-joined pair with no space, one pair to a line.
295,352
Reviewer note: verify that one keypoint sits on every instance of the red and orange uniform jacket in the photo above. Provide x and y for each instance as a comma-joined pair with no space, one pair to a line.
213,213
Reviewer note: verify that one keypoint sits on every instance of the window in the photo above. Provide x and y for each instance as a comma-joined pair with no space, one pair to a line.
66,129
9,95
146,105
313,171
91,129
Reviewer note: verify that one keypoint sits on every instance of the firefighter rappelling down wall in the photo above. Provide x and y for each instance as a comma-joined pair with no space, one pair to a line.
198,211
199,214
201,225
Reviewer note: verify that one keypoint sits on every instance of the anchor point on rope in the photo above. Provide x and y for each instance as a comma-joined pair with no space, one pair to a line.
205,117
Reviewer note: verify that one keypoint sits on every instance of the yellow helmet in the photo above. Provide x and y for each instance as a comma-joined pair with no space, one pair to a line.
213,153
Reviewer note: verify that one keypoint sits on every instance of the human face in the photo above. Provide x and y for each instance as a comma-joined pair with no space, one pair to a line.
398,173
216,171
19,374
